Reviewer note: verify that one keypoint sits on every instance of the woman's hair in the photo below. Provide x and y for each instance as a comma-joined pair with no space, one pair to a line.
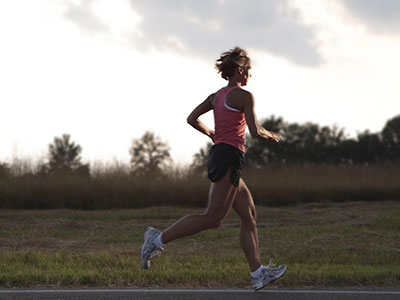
230,60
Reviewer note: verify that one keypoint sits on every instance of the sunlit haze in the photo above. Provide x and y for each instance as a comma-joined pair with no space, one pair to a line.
105,71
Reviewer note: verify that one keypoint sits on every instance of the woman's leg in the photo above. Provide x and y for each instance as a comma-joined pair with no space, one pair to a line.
244,206
220,199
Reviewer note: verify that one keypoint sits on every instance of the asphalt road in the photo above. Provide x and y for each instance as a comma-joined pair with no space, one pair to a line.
200,294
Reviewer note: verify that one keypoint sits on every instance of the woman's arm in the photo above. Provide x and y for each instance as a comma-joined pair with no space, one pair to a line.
193,118
254,126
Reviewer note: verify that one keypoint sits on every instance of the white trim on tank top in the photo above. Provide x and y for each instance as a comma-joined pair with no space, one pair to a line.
226,105
230,108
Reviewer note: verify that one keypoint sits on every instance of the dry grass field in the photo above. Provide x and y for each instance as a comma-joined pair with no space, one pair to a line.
273,185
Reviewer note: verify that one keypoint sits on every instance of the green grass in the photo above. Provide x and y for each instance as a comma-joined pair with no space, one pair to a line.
324,245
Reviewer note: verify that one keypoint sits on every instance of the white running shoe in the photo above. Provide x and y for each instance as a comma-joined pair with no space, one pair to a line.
268,275
149,248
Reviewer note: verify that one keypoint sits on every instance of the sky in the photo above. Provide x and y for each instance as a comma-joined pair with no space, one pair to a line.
107,71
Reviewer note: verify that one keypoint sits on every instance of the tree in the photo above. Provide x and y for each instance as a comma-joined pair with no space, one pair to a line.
311,143
260,152
149,155
65,158
369,148
4,170
301,143
199,163
391,138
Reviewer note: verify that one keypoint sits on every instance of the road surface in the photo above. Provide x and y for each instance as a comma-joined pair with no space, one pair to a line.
196,294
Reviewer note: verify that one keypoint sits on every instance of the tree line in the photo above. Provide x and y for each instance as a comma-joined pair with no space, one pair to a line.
149,155
301,143
315,144
311,143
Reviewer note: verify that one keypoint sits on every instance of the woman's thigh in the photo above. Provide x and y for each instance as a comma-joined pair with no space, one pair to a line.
221,197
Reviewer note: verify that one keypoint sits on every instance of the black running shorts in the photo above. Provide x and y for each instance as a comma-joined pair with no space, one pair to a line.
223,157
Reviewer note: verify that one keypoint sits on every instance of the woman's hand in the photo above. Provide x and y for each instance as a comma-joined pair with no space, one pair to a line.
274,136
212,135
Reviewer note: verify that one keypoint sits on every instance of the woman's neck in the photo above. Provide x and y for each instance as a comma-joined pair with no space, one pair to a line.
232,83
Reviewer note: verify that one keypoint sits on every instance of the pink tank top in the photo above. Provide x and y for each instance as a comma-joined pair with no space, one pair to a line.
230,123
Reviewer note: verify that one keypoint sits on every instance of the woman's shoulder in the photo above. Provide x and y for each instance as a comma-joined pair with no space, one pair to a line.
239,98
242,93
213,97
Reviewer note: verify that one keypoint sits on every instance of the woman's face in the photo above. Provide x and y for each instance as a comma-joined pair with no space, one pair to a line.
245,74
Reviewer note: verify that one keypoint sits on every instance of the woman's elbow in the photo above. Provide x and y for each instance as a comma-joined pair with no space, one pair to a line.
190,120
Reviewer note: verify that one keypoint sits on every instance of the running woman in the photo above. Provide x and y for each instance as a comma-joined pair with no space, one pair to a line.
233,108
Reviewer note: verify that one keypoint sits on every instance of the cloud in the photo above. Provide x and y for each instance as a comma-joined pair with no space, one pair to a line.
379,15
208,27
82,15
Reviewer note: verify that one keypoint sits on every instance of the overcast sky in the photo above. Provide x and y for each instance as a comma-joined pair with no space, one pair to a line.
105,71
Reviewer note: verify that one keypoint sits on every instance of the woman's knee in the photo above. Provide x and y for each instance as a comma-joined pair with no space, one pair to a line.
253,213
249,218
245,205
214,220
217,223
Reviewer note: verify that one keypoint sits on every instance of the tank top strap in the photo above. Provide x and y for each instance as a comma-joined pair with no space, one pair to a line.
227,90
231,88
223,92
